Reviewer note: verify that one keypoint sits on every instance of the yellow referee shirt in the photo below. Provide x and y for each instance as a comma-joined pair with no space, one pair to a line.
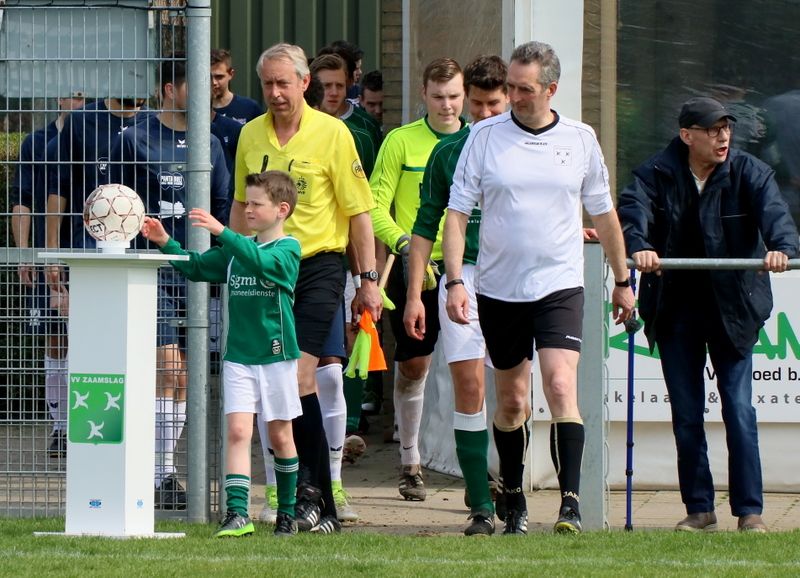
322,160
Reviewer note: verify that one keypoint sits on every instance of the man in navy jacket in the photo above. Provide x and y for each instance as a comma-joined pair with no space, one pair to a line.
699,199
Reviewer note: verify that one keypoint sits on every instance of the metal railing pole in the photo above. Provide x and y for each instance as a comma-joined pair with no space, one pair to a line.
198,20
718,264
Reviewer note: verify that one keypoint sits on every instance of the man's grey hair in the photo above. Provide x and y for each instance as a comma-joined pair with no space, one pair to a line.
543,55
288,52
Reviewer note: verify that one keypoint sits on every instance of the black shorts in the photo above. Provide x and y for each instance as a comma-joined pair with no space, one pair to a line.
335,344
512,328
317,299
407,347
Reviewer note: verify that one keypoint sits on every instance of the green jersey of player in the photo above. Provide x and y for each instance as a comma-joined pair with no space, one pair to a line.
366,146
261,279
435,193
397,178
368,123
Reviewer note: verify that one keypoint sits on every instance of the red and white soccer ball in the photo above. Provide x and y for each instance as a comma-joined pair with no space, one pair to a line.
113,213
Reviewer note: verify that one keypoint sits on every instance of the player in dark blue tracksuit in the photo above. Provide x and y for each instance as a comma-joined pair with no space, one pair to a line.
29,202
82,151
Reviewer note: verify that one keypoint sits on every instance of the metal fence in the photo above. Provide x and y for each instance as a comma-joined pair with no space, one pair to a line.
104,59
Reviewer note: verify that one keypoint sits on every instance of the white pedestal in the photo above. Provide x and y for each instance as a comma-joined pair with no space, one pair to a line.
112,373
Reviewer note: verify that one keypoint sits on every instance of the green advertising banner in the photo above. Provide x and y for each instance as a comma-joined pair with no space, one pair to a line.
96,408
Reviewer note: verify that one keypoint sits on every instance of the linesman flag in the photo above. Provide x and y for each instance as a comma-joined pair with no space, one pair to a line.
367,354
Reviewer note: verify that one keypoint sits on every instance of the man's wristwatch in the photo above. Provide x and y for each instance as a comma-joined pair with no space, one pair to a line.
625,283
369,275
453,282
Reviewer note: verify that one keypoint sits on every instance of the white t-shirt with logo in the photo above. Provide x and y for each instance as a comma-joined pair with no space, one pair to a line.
530,186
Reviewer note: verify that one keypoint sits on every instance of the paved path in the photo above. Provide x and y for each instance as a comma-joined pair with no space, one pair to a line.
372,484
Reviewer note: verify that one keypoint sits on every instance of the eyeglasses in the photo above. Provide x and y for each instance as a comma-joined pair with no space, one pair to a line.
713,131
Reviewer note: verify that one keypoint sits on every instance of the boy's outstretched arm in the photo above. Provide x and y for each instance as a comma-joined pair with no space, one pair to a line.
154,231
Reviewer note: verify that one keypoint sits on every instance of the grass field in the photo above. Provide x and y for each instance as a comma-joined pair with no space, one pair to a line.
640,553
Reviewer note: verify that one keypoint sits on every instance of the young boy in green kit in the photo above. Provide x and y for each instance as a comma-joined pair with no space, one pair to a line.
261,352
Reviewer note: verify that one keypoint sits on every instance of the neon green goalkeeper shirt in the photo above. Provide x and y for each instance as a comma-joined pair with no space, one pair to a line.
397,179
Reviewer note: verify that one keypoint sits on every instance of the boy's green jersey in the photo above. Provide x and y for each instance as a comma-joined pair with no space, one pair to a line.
261,279
435,193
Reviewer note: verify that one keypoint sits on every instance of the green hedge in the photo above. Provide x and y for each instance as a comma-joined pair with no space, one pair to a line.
9,154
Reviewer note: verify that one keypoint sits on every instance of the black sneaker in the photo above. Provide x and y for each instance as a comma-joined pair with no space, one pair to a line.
516,522
306,509
171,495
328,525
285,525
569,521
482,524
235,525
58,444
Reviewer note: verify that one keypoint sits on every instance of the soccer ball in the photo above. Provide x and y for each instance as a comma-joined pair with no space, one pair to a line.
113,213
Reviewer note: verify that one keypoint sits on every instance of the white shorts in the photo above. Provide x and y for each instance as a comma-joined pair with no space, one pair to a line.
269,390
462,342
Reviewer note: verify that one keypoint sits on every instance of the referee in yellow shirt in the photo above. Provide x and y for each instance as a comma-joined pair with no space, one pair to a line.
334,200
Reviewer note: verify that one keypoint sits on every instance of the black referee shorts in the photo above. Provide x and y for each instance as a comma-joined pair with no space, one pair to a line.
408,347
511,329
318,298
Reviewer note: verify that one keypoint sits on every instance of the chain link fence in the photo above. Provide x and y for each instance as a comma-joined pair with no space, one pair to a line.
74,78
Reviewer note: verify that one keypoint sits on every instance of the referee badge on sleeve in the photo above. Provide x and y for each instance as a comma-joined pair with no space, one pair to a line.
358,170
562,156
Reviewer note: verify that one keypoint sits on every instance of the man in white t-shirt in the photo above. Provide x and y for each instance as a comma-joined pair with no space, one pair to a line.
530,170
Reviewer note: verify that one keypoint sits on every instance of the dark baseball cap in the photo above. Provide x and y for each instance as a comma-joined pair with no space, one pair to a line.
702,111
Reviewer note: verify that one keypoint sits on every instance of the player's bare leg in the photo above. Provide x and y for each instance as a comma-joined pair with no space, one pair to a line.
237,476
560,383
511,435
472,442
286,468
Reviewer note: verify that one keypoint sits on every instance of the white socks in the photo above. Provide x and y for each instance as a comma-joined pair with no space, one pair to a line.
56,390
330,384
469,421
164,461
170,419
178,421
408,397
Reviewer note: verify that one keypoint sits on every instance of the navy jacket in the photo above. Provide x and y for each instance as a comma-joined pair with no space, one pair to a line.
742,215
